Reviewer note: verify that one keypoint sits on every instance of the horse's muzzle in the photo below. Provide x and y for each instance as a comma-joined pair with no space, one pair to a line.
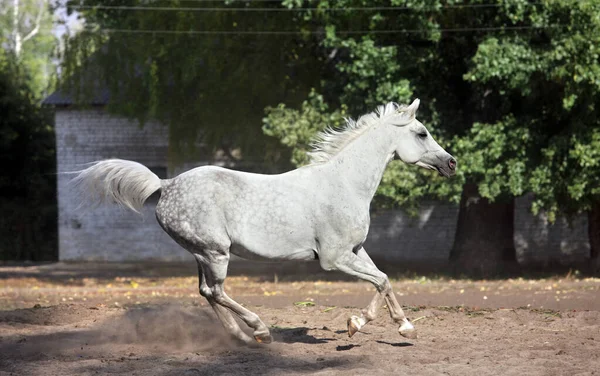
448,168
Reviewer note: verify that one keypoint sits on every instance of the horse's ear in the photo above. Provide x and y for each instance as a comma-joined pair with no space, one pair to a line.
411,111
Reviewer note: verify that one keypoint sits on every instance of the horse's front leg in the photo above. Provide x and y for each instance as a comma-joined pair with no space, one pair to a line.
406,329
355,323
360,265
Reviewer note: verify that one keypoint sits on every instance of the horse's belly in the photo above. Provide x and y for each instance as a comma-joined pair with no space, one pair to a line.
273,243
273,254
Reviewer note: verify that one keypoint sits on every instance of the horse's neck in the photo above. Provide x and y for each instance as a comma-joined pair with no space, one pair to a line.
363,161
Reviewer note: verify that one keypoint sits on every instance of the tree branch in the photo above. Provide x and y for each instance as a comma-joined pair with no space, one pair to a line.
38,19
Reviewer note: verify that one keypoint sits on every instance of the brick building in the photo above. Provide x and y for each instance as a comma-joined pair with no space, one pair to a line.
114,234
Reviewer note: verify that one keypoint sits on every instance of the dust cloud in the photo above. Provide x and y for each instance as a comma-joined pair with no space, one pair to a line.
167,327
93,332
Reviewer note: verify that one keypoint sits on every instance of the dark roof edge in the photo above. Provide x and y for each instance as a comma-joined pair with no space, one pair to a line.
60,98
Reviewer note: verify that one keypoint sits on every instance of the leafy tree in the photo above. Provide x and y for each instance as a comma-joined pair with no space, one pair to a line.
26,31
570,180
209,89
511,88
555,82
27,186
508,86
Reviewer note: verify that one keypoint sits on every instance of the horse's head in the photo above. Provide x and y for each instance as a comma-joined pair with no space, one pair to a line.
415,145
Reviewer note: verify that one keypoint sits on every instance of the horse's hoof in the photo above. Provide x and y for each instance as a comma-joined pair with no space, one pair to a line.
407,330
353,325
263,338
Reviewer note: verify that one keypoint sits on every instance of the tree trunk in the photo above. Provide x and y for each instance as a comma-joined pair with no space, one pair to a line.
594,236
16,33
483,244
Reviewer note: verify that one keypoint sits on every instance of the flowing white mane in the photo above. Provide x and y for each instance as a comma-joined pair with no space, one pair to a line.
331,141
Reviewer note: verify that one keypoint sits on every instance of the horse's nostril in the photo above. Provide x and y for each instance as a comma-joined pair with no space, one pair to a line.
452,163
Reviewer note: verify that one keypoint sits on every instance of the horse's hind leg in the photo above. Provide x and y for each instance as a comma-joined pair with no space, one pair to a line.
215,266
222,314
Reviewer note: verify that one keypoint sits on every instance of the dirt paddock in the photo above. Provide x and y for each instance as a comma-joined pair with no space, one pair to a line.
87,319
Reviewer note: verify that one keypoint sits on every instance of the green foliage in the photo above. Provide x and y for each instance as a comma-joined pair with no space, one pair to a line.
568,180
492,150
209,89
509,86
370,72
511,90
27,184
296,128
510,61
556,77
35,55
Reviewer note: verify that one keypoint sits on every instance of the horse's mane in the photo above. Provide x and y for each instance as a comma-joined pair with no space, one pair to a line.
331,141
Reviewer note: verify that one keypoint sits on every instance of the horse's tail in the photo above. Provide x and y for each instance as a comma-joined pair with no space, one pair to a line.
126,183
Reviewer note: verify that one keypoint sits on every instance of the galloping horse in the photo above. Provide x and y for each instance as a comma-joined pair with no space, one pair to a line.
317,212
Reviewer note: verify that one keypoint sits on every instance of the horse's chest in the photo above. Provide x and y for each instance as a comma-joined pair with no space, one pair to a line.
351,225
360,229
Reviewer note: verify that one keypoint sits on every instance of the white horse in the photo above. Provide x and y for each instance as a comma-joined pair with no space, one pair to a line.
316,212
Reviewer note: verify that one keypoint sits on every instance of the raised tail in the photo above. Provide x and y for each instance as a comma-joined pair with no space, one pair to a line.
119,181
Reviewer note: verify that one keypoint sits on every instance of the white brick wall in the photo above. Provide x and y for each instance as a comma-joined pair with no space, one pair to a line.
537,240
395,236
108,233
114,234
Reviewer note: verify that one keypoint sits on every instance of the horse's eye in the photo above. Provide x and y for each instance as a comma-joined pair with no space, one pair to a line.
423,135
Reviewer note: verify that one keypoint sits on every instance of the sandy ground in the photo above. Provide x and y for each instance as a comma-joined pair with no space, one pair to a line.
66,319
